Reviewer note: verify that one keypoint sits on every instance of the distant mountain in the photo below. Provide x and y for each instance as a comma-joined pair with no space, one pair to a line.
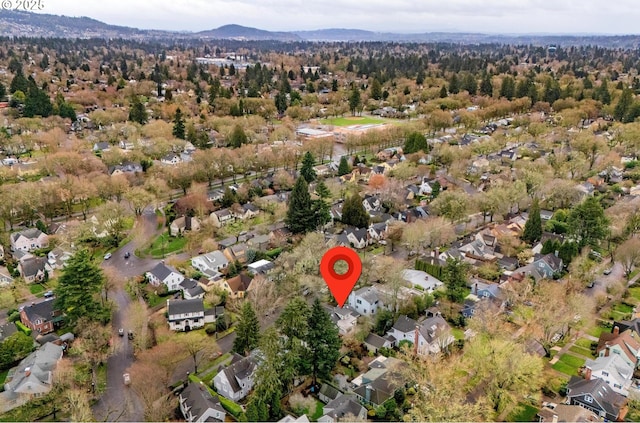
246,33
28,24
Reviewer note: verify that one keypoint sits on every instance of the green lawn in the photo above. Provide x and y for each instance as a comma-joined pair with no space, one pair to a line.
623,308
36,288
457,333
3,376
165,244
569,364
525,413
154,299
597,330
318,412
581,351
635,293
584,343
207,378
352,120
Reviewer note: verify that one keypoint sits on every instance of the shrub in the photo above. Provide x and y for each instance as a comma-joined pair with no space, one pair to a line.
210,328
300,405
14,317
23,328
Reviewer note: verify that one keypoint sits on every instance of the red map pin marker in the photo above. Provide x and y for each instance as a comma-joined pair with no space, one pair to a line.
340,285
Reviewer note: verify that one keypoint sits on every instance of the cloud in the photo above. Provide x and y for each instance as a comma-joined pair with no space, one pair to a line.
490,16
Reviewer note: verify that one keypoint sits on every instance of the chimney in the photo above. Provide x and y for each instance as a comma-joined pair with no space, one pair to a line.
616,330
555,418
437,252
475,289
607,351
556,253
416,340
587,373
367,393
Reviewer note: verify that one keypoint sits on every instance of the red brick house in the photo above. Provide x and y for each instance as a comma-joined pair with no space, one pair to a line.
41,317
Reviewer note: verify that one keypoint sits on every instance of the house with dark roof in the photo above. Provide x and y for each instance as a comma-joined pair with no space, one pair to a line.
328,393
595,395
167,275
428,337
624,325
236,380
247,211
381,389
28,240
198,405
353,237
543,267
191,289
344,406
236,252
41,317
35,269
344,318
374,342
372,203
185,315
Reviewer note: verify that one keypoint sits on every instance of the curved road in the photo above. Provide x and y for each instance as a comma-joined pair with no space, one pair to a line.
119,403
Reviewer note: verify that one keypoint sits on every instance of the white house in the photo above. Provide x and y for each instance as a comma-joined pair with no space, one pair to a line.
432,335
171,159
421,279
365,301
29,240
221,217
33,377
185,315
210,264
166,275
614,370
236,380
198,405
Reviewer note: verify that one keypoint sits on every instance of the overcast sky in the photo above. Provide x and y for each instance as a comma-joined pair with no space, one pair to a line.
486,16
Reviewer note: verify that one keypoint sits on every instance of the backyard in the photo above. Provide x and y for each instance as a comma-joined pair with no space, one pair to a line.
569,364
164,244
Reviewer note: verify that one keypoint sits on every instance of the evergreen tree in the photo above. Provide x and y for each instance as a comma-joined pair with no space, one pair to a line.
78,287
281,102
435,189
354,100
454,85
508,88
257,410
443,92
334,85
300,215
603,93
322,190
551,90
623,105
470,84
247,330
587,222
454,277
486,87
323,341
376,89
354,213
178,125
238,137
37,103
19,83
229,197
420,77
415,142
3,91
307,171
533,228
137,111
343,167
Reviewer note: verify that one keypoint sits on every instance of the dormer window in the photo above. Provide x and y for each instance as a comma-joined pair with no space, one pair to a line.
588,398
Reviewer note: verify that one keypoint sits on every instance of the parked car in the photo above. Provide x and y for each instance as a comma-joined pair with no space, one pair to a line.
127,255
49,294
130,335
121,332
591,284
608,271
107,256
127,378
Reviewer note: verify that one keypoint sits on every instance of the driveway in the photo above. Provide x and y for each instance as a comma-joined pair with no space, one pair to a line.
602,282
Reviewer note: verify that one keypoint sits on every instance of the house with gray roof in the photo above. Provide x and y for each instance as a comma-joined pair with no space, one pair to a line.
366,301
198,405
422,279
375,342
210,264
167,275
29,240
595,395
191,289
543,267
328,393
35,269
353,237
431,335
33,377
185,315
236,380
344,406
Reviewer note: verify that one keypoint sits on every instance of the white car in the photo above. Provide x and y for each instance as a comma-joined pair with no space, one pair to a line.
127,378
107,256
